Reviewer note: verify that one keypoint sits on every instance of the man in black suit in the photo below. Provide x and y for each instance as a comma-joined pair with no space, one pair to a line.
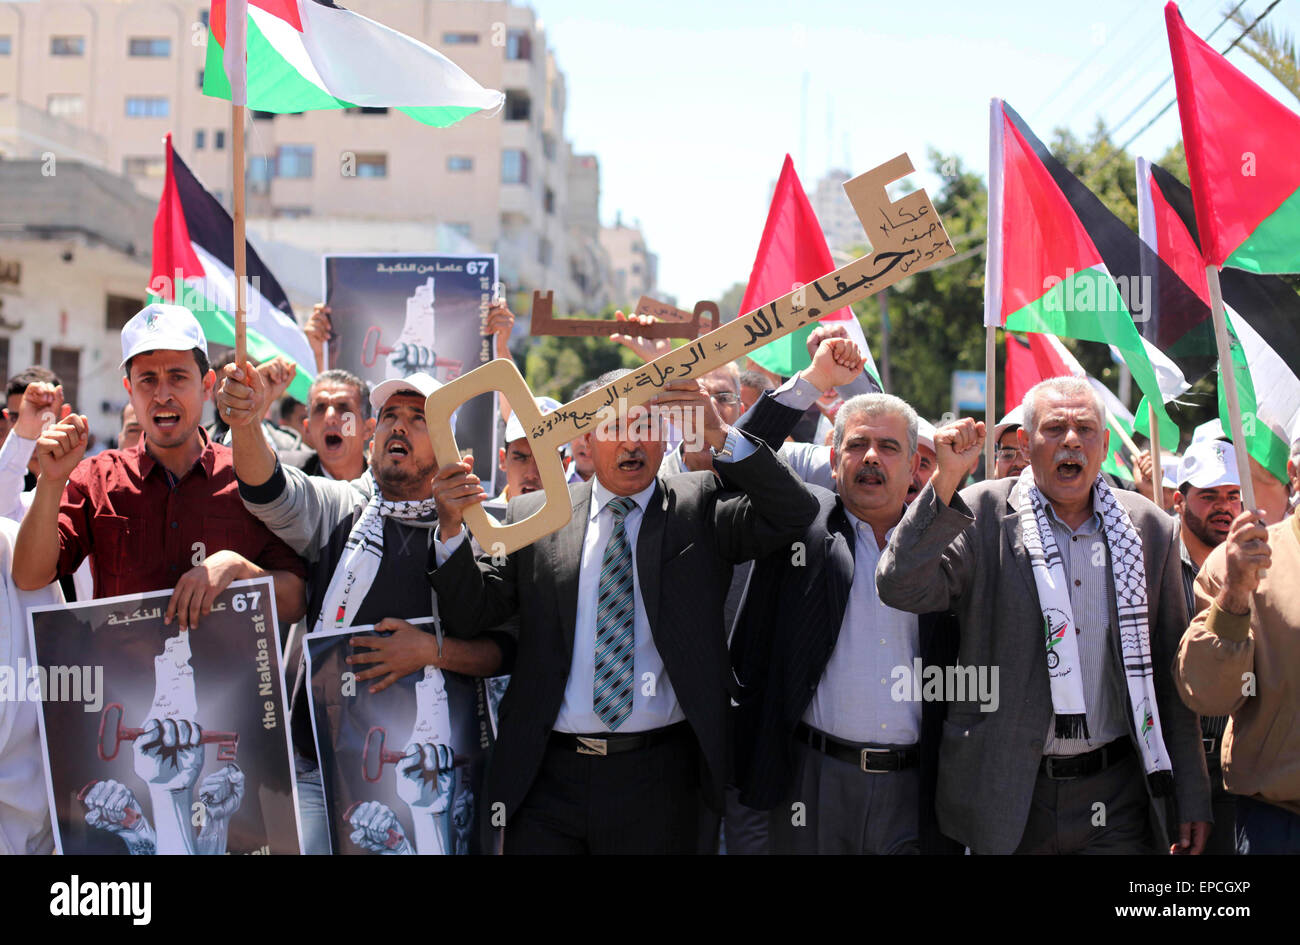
829,736
614,728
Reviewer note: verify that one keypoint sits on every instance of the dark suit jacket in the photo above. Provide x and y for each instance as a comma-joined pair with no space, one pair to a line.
970,555
692,535
787,630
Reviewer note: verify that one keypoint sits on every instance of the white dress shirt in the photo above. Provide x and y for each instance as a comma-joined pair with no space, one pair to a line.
854,698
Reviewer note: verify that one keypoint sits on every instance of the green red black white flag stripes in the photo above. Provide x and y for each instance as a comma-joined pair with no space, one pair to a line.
1241,146
1262,313
1045,273
193,266
313,54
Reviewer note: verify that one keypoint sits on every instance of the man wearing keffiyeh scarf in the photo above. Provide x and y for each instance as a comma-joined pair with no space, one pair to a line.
1073,590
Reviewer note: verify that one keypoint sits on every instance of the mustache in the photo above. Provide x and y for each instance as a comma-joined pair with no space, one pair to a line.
1067,455
397,438
625,455
870,474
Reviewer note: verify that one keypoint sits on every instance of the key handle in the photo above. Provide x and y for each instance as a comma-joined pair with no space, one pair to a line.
112,733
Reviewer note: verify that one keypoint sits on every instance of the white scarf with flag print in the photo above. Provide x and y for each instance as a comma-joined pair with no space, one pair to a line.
1063,665
361,556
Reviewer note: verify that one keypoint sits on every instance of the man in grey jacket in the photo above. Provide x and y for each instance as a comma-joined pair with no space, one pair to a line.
1071,591
367,544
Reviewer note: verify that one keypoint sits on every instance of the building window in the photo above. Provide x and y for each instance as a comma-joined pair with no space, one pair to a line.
514,167
518,105
218,140
151,47
66,363
293,160
548,145
262,116
260,171
365,110
67,45
460,229
519,45
6,45
291,213
143,106
548,200
144,166
372,165
118,310
459,162
65,105
200,139
460,39
200,79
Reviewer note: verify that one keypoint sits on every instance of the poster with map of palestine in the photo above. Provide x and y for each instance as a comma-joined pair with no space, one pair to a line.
402,768
396,314
162,741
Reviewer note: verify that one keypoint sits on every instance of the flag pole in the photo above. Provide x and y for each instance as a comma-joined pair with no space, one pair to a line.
1157,470
1229,380
990,396
237,142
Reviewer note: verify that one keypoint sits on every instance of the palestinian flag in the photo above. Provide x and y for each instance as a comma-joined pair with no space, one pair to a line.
1045,271
1241,146
313,54
193,266
1038,357
793,251
1261,310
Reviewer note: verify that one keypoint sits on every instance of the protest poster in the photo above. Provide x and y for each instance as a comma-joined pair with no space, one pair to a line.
396,314
162,741
402,768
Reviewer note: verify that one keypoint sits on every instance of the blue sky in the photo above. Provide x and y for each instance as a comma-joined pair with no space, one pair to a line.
691,106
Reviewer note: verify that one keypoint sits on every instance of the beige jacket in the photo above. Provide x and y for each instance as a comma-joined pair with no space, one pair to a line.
1248,667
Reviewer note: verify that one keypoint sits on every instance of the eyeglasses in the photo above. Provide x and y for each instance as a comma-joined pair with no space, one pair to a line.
1008,453
725,397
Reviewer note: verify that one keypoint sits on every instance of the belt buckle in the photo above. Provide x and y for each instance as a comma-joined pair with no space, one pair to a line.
1051,769
863,762
592,746
1210,744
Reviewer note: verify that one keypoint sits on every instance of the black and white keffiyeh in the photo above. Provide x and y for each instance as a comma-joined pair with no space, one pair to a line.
1063,665
361,556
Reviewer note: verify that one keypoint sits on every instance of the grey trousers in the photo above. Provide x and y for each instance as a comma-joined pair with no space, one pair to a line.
1106,812
837,807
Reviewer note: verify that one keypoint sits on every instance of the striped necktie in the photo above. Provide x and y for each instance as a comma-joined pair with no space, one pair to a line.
615,605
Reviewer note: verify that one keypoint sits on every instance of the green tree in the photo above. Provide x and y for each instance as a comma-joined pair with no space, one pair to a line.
1273,49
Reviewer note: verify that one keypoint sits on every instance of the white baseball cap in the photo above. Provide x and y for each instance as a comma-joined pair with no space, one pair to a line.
418,383
1016,418
515,429
1208,464
924,433
160,327
1210,430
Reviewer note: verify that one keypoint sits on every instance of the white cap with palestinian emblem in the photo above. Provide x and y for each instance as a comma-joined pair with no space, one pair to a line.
418,383
1208,464
924,433
161,327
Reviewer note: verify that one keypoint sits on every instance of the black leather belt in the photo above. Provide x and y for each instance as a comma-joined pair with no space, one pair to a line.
869,759
1090,762
611,743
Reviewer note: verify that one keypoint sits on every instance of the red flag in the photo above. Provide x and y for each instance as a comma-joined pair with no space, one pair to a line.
1241,148
793,250
1029,362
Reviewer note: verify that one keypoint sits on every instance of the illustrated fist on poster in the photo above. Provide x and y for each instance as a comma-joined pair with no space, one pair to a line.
111,806
376,828
425,776
407,359
222,792
168,754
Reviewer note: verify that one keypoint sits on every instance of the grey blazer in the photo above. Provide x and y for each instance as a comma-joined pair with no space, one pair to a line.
970,556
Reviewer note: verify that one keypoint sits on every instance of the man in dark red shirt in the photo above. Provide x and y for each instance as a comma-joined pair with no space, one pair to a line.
165,513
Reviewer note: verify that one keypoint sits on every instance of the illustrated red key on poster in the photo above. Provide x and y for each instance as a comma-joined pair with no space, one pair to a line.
906,236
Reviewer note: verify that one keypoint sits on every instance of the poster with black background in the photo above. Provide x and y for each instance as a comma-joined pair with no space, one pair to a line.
397,314
402,768
180,742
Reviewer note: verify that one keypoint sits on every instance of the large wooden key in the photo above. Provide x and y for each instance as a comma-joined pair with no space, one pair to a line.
906,236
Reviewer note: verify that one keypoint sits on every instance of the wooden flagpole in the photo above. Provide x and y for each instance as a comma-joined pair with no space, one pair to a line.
1157,467
1229,380
990,396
